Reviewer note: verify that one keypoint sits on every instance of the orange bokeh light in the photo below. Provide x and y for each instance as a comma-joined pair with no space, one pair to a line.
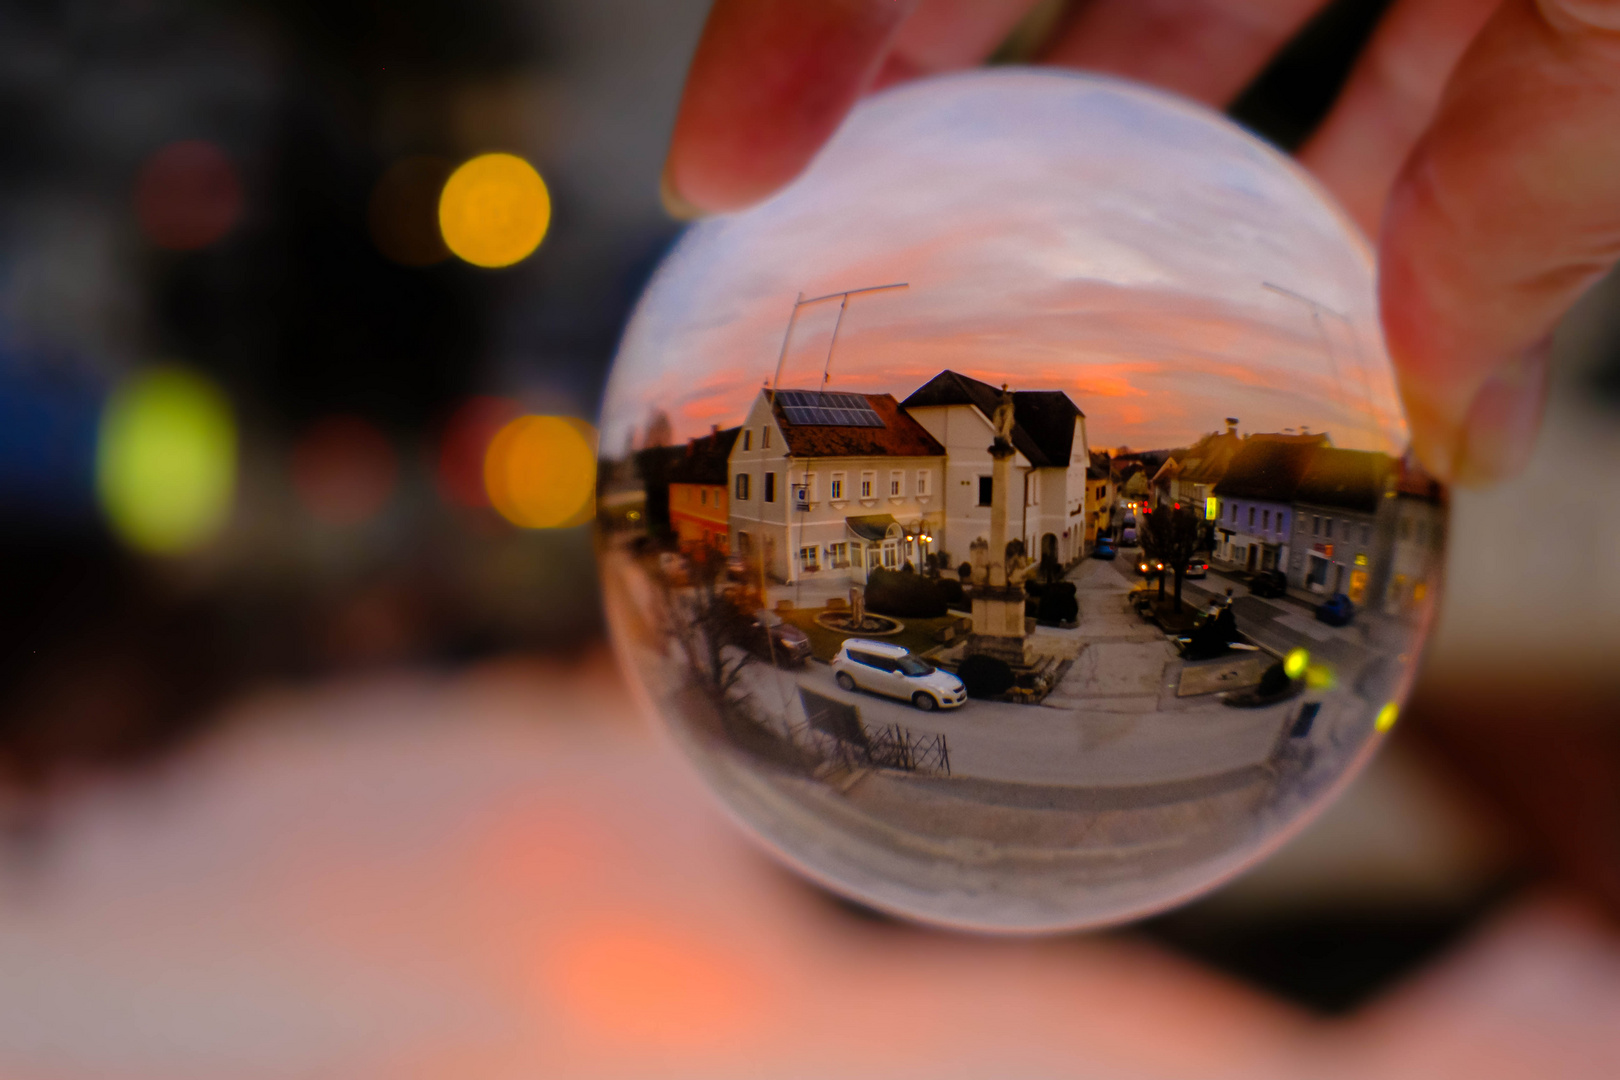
187,196
344,470
540,471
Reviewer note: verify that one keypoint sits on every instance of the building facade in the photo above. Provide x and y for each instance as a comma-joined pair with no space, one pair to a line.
1048,468
828,486
1254,502
699,512
1344,524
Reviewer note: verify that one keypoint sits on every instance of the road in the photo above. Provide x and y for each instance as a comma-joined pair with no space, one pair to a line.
1113,720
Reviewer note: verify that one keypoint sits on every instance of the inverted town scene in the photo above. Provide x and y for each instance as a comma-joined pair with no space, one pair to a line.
1009,557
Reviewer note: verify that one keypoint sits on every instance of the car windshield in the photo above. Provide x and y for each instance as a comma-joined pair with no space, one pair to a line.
910,665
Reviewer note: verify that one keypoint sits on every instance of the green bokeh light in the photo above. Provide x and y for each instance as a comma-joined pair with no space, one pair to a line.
166,461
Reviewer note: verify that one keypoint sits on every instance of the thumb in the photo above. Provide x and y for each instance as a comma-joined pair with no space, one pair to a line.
1506,211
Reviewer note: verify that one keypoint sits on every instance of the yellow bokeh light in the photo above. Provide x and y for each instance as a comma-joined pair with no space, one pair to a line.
1321,677
166,461
540,471
494,210
1387,716
1295,662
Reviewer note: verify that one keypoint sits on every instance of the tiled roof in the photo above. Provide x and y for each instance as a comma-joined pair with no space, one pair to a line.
704,461
1414,481
900,435
1348,479
1043,420
1266,469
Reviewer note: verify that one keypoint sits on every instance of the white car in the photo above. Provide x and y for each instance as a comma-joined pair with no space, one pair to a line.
892,671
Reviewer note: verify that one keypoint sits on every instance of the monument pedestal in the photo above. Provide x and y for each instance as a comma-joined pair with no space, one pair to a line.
999,626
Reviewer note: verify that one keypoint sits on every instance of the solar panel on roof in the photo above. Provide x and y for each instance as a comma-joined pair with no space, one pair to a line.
824,408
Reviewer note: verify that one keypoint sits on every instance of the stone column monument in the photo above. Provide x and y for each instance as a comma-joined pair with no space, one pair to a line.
998,601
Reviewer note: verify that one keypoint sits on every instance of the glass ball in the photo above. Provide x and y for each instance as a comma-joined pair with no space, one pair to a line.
1014,521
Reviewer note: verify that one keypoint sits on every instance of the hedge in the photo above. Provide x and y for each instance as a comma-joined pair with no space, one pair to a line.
892,592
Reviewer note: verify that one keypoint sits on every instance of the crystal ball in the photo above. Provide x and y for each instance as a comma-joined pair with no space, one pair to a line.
1013,519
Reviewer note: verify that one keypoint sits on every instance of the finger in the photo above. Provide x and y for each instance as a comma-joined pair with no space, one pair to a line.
770,81
1389,99
1506,211
1204,49
945,35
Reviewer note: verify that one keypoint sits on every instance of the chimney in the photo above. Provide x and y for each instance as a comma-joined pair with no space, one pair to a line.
1231,425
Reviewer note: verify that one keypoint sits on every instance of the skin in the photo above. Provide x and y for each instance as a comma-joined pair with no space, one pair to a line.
1479,140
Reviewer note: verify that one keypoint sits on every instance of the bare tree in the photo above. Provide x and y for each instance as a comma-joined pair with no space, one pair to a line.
1171,535
716,618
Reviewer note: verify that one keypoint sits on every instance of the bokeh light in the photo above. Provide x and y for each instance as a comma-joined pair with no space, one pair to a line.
187,196
403,215
1387,716
540,471
344,470
467,435
1295,663
166,460
494,210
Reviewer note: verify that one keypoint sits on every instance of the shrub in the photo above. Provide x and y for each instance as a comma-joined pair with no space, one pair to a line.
950,590
893,592
1058,603
965,571
985,676
1274,681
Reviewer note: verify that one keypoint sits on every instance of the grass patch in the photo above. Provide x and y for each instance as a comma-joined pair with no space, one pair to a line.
918,635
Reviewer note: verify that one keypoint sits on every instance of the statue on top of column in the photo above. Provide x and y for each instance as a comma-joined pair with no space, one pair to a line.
1002,418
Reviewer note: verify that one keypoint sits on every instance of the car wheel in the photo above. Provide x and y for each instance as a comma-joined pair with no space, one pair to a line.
846,682
924,701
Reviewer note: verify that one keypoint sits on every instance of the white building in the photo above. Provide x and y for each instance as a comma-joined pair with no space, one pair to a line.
1049,468
830,485
1254,501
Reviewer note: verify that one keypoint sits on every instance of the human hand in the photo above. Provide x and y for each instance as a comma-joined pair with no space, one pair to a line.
1483,136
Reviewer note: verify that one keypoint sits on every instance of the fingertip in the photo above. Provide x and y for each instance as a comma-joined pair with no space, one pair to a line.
676,205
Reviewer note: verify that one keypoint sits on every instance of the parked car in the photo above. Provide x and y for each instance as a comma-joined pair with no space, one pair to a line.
736,568
772,638
1336,610
1269,583
1128,537
1105,548
1197,568
881,668
1147,566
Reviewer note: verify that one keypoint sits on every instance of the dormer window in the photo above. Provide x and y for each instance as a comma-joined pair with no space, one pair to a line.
765,437
748,440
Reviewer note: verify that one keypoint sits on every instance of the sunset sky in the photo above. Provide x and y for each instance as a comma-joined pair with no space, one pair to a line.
1057,232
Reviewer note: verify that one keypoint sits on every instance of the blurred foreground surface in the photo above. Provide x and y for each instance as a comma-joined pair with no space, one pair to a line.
504,874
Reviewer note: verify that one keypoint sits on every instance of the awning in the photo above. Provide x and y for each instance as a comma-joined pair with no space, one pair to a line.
872,527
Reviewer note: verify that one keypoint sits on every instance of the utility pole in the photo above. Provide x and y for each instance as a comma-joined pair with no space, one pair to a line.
801,302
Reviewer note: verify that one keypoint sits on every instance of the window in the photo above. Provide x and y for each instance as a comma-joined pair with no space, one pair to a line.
1316,525
837,491
1366,534
868,482
891,556
810,559
703,496
748,439
922,482
897,483
1251,517
765,437
742,485
1265,521
838,555
1329,533
986,489
770,487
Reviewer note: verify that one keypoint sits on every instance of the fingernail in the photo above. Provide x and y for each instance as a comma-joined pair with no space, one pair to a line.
675,204
1500,429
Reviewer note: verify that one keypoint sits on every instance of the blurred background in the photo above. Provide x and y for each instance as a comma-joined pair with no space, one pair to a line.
312,760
